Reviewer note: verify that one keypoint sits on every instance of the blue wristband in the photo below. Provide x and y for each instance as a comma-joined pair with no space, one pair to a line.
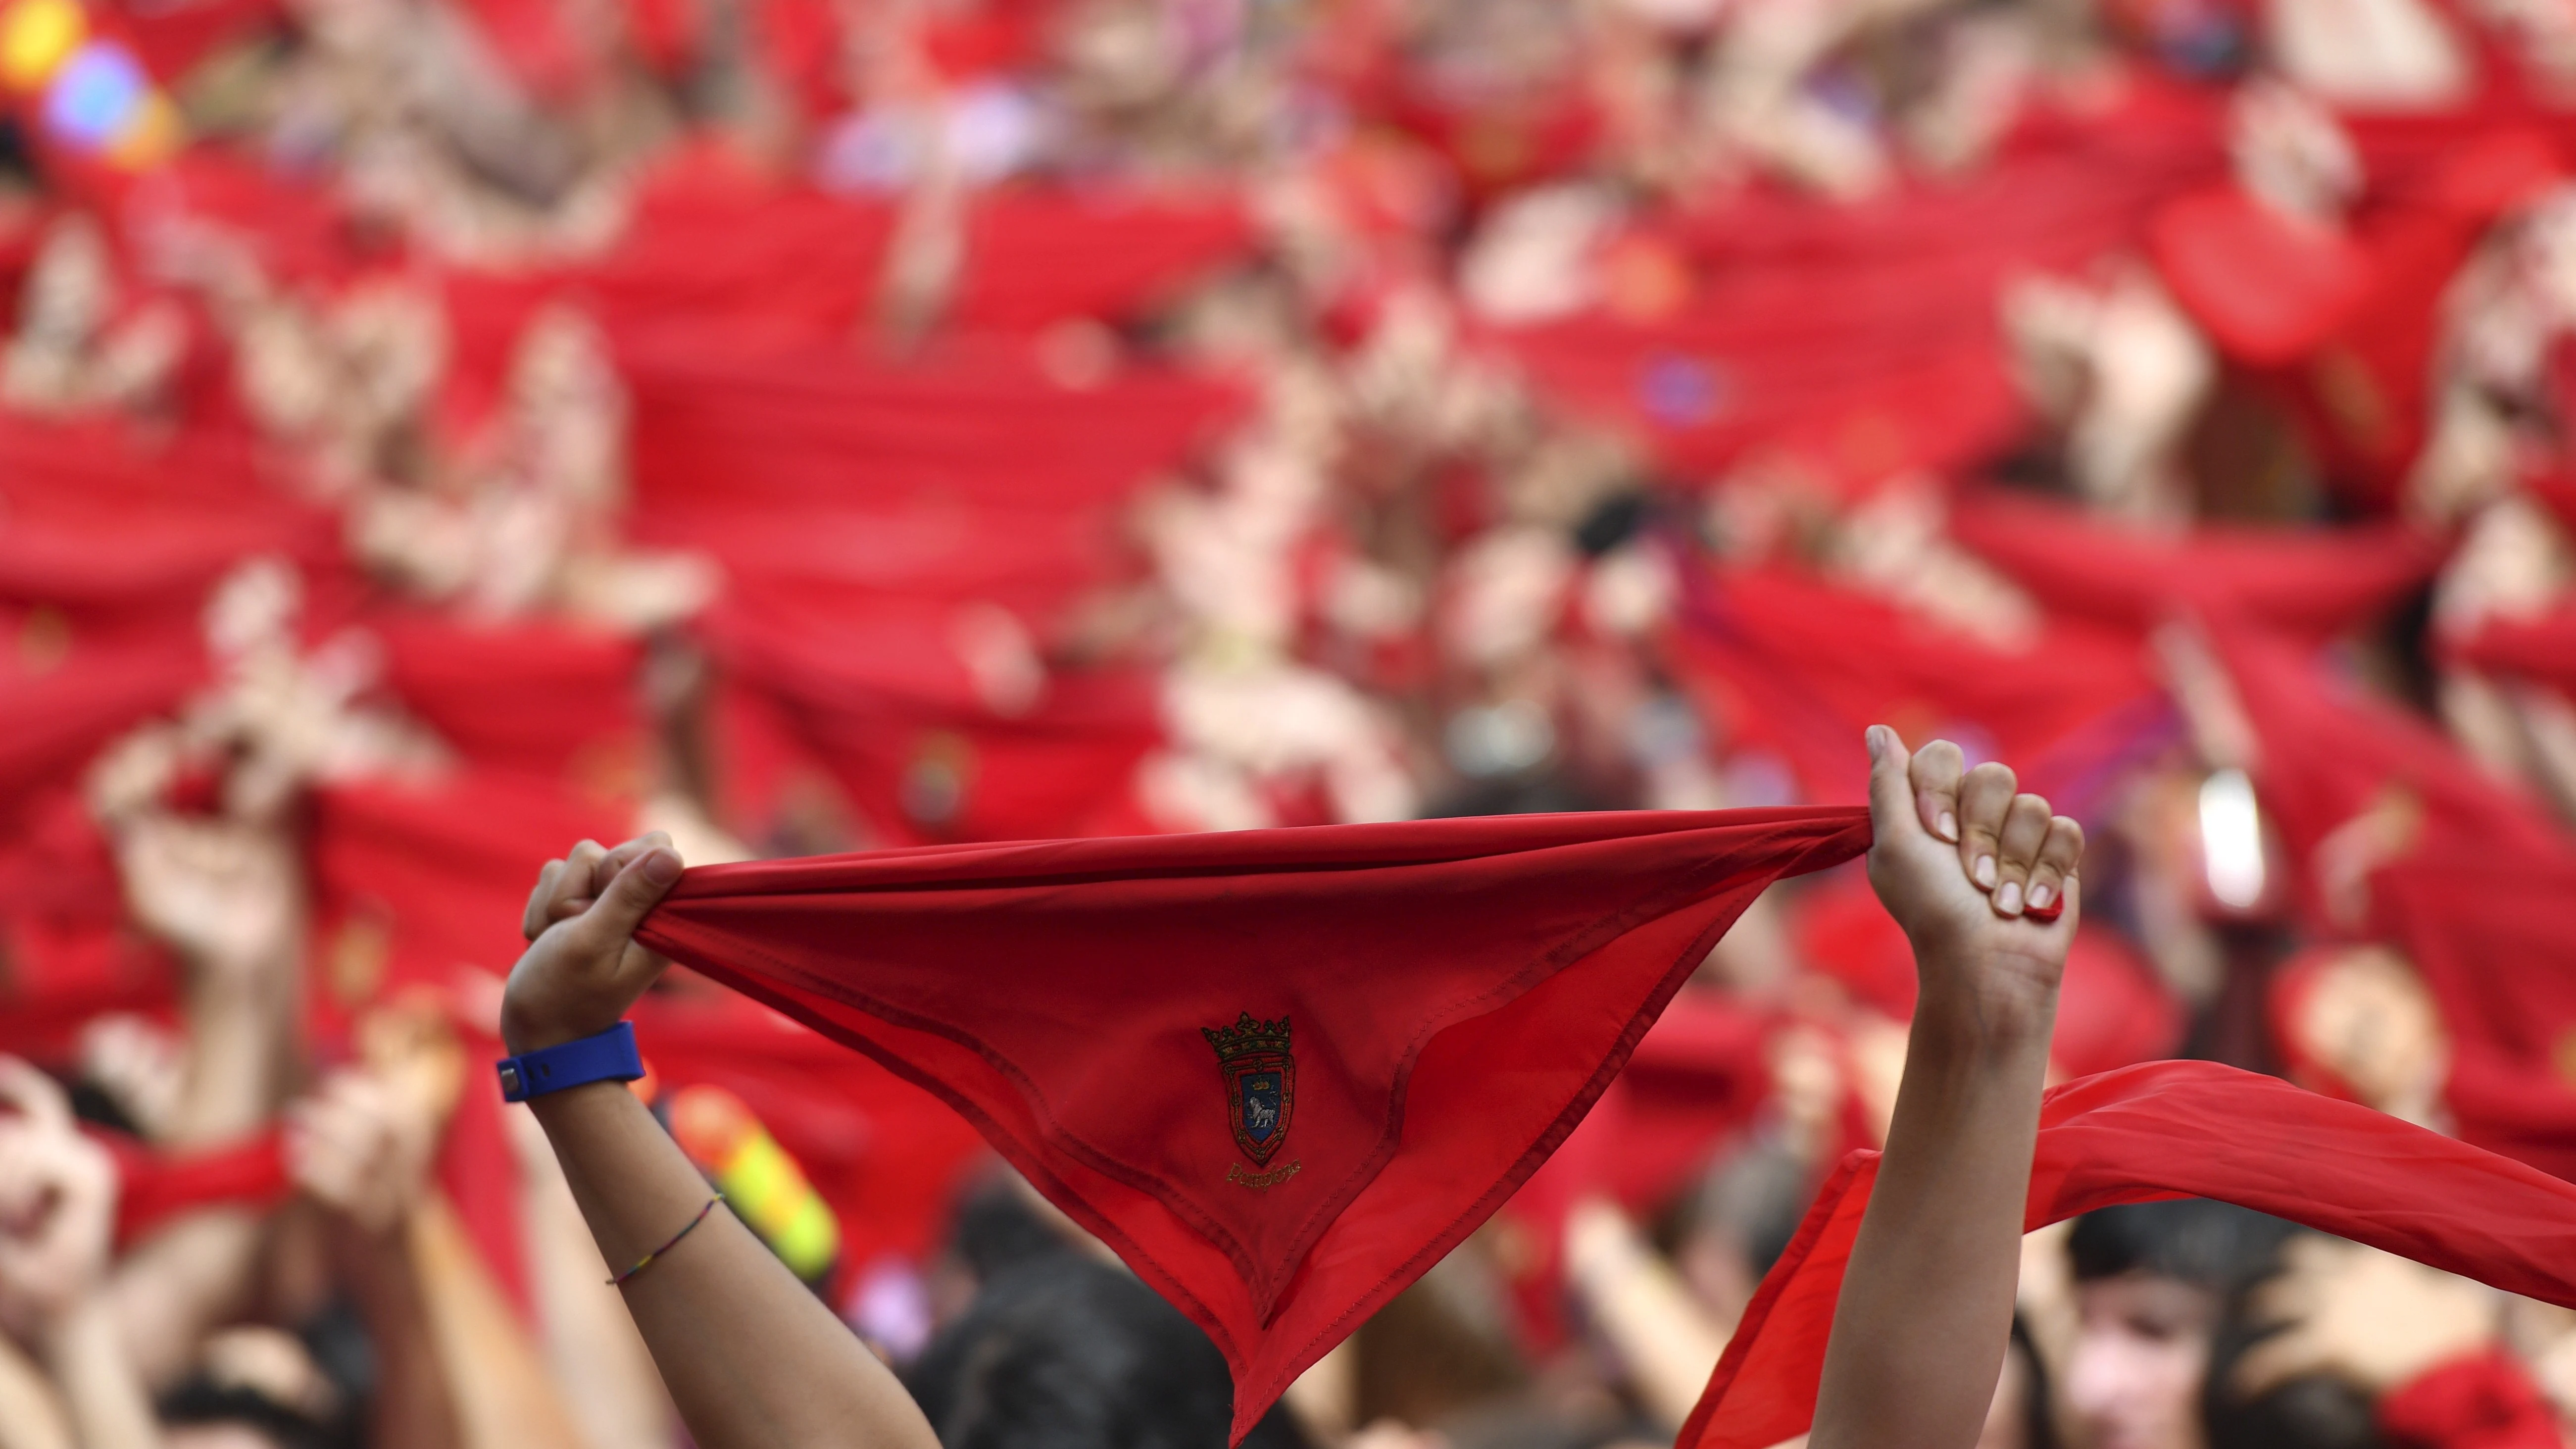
608,1057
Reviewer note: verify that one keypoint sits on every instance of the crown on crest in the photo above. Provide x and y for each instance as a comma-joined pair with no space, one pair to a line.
1247,1037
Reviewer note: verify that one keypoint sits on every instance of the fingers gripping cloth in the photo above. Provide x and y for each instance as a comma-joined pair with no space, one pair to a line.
1280,1072
2165,1130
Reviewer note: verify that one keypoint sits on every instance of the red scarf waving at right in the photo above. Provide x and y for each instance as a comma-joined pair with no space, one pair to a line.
2164,1130
1281,1072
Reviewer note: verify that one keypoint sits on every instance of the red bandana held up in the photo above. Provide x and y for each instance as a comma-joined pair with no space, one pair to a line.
2163,1130
1280,1071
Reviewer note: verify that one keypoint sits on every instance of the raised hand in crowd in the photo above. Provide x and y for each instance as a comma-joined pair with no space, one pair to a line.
227,896
360,1146
2369,1318
362,1142
1961,860
751,1356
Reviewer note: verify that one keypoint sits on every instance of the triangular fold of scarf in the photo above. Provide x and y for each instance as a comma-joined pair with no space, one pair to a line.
1280,1072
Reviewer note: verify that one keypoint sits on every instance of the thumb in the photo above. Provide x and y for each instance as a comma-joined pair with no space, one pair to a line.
613,918
1891,784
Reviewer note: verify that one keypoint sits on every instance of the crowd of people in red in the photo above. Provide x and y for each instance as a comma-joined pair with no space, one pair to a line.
436,431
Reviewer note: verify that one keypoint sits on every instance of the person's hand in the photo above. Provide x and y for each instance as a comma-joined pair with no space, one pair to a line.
225,894
140,1066
1981,877
583,969
361,1147
2372,1318
57,1200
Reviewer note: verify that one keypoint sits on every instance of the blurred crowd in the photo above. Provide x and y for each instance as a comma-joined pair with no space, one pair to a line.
436,431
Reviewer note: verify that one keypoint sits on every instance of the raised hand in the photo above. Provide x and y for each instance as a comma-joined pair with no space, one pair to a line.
1959,857
1981,876
224,893
2367,1317
583,969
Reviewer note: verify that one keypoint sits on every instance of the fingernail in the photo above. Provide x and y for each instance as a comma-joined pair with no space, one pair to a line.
2008,900
661,867
1875,737
1985,871
1949,827
2040,896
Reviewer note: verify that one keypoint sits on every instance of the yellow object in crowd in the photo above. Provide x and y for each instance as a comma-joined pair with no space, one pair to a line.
87,90
758,1178
36,36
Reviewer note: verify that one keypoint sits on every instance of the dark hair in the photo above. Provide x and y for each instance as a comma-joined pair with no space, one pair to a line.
2212,1245
2038,1425
1758,1197
336,1339
1060,1351
202,1401
2311,1411
997,1231
2308,1411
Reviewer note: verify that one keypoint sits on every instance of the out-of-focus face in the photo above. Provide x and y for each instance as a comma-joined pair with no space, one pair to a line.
2141,1349
2369,1020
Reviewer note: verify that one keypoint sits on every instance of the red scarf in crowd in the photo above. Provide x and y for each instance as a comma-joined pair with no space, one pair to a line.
1281,1072
2163,1130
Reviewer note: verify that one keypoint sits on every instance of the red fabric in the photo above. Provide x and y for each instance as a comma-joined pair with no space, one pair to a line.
54,719
2313,582
552,700
2329,753
2541,649
1701,1072
2496,945
2112,1010
726,416
2266,285
1801,668
1043,255
2342,319
295,224
1861,338
2484,1401
1459,992
63,933
155,1187
890,714
2363,393
2173,1129
433,878
1698,1076
443,869
172,39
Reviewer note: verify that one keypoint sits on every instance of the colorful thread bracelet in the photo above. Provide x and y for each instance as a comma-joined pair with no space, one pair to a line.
647,1260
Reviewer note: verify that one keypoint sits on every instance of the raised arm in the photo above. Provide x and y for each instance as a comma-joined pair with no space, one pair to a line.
752,1358
1960,861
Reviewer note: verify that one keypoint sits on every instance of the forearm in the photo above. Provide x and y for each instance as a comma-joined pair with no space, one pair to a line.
412,1408
101,1391
240,1023
31,1416
751,1357
179,1283
1926,1307
198,1267
1636,1299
